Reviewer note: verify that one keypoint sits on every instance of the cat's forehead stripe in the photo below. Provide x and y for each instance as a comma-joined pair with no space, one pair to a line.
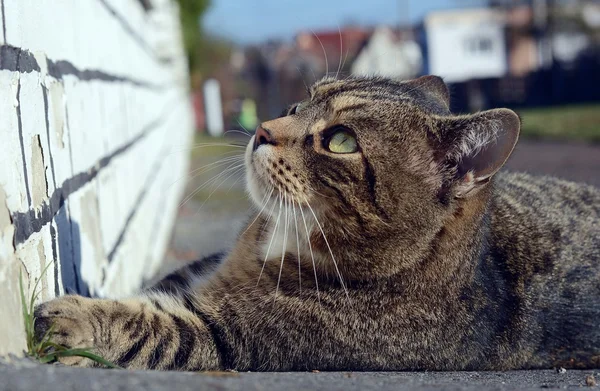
345,102
374,89
361,88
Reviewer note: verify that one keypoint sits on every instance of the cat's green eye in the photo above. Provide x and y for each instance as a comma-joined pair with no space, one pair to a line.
342,141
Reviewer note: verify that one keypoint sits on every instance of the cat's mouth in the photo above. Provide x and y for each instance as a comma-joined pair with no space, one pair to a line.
271,177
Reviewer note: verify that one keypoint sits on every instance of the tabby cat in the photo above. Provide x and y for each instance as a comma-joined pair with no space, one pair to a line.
385,239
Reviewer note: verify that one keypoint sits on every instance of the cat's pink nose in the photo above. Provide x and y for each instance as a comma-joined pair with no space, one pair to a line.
262,136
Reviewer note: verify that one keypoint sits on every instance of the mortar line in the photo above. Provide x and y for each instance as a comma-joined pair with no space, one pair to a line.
55,260
3,22
23,61
45,96
20,127
132,33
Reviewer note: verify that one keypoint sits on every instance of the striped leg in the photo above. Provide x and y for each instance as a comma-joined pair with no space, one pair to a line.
179,281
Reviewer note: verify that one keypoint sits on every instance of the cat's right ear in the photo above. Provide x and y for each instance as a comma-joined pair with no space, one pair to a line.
433,86
475,147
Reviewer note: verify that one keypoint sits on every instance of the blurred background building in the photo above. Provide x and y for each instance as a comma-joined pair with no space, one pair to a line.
538,57
515,53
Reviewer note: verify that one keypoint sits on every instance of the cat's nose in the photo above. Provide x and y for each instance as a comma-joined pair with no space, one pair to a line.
262,136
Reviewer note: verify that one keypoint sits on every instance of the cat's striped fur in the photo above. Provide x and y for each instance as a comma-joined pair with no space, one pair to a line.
410,253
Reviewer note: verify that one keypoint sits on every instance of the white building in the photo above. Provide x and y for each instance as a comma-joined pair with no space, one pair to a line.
385,55
466,44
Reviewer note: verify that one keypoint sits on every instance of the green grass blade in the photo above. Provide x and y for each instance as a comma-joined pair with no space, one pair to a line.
45,350
26,316
48,358
35,286
55,346
45,339
87,354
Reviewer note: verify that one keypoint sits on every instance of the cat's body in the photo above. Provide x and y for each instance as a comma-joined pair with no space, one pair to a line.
401,253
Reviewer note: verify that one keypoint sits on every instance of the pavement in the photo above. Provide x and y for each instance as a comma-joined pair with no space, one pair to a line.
25,375
207,224
576,162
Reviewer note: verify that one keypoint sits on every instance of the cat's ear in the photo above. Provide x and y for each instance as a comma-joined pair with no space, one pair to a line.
433,86
477,146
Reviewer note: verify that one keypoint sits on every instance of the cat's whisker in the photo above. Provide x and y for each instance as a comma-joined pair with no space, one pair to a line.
271,241
303,81
313,190
270,216
233,184
266,200
197,146
341,53
345,58
312,255
228,169
217,144
311,71
324,53
235,170
329,248
208,167
231,165
204,184
297,244
284,247
238,131
244,128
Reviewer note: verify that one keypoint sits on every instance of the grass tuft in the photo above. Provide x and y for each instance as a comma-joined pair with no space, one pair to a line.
45,350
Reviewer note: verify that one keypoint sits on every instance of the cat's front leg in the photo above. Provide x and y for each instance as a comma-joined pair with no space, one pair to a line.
146,332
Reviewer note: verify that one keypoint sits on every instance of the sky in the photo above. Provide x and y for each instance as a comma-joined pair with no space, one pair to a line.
253,21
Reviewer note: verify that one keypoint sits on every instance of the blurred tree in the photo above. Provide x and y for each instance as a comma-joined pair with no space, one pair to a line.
190,13
207,55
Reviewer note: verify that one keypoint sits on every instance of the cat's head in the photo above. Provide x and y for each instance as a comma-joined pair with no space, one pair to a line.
377,159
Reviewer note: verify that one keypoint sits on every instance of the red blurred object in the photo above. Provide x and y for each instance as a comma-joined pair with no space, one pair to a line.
199,115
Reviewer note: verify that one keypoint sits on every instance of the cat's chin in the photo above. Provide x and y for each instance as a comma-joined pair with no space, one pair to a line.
254,187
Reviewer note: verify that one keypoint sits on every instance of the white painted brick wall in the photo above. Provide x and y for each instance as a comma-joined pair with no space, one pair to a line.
93,102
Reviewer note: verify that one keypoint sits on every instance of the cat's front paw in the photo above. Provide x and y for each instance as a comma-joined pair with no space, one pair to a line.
69,318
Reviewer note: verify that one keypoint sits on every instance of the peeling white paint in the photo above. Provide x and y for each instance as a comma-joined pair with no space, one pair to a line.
43,63
58,104
14,89
39,187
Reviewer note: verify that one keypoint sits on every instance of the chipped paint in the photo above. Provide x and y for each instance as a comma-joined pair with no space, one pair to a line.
41,59
14,89
39,182
5,219
57,92
7,233
42,259
12,338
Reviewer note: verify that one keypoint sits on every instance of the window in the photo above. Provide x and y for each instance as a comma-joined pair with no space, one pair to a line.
479,45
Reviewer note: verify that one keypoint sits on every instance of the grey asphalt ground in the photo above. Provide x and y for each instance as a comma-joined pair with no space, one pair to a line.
26,376
204,228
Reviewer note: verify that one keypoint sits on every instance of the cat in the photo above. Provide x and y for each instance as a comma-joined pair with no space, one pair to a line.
386,239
